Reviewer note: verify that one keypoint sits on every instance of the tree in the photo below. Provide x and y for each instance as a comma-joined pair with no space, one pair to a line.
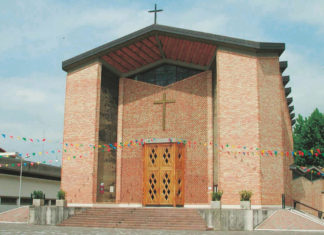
309,135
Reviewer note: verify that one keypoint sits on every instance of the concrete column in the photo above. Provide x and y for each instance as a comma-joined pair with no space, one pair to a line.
48,215
248,220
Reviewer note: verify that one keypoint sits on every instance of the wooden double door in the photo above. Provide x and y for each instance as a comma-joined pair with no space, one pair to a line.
163,174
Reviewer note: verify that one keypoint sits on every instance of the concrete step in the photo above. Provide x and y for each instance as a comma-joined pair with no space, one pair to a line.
135,222
150,218
137,215
139,226
145,227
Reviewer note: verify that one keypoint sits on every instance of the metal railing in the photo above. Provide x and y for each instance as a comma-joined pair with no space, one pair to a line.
320,213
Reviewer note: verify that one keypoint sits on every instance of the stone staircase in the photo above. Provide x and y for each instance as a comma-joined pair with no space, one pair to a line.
139,218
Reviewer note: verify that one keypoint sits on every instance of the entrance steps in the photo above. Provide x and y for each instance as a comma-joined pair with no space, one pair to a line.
139,218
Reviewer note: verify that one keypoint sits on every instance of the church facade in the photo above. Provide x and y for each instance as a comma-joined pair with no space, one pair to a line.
165,116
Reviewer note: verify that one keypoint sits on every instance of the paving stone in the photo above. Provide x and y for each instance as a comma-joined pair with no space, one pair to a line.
19,215
25,229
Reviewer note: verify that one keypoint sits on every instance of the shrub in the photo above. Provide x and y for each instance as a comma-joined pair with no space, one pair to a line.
216,196
245,195
61,195
38,194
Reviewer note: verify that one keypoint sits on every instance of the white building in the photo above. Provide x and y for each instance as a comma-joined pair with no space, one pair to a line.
34,177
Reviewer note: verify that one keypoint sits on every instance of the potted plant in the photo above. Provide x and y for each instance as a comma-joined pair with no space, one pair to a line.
38,198
245,199
216,199
60,201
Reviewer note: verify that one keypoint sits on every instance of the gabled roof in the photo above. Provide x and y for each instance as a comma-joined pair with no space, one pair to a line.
158,44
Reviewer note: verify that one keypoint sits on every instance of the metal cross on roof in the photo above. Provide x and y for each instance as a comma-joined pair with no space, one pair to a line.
155,11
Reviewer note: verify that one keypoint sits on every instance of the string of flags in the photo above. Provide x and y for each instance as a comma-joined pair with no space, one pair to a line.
31,164
236,149
221,148
26,139
245,150
226,149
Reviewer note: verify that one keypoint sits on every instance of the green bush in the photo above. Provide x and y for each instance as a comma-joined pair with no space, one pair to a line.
38,194
61,195
245,195
216,196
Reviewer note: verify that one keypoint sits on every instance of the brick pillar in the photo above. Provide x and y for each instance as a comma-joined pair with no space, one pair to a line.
237,125
272,129
119,139
81,125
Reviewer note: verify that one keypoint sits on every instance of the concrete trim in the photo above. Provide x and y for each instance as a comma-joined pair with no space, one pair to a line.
162,140
231,206
269,206
196,206
252,206
80,205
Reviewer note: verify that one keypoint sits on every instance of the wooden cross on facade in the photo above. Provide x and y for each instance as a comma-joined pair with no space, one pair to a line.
155,11
164,102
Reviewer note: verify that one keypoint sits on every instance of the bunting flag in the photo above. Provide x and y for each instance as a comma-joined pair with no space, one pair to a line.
245,150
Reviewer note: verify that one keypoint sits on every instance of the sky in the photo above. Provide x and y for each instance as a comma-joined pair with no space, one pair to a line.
37,35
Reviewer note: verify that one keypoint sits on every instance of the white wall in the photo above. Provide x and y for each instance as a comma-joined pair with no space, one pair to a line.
9,186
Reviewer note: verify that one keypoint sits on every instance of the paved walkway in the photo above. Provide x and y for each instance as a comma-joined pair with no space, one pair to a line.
284,219
25,229
18,215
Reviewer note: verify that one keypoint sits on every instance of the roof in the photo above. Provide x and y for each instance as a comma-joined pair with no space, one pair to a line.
43,171
158,44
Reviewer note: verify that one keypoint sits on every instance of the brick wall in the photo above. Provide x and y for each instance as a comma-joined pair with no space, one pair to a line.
238,115
309,193
252,112
190,118
81,126
271,124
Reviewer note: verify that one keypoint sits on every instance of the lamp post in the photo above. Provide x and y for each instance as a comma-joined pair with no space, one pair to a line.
20,181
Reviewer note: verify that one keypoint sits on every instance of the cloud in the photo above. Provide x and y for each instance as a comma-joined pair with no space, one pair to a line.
30,95
41,26
31,104
298,11
306,80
